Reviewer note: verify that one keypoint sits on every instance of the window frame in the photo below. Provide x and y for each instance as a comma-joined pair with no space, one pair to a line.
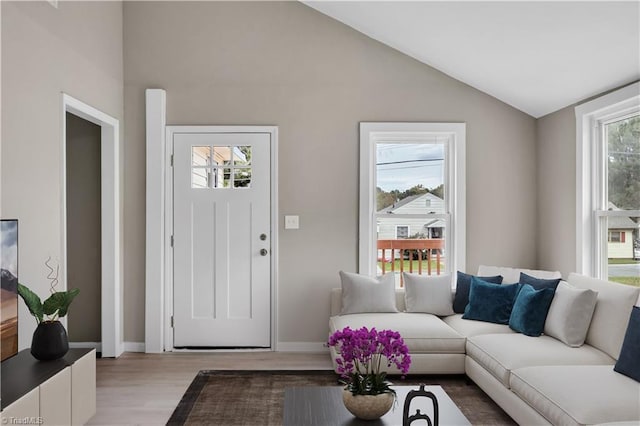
591,176
455,185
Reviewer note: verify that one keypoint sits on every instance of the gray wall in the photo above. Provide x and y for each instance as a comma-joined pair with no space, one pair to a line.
284,64
76,49
556,159
84,230
557,162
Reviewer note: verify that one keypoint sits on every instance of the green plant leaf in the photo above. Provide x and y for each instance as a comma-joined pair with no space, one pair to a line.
32,301
59,302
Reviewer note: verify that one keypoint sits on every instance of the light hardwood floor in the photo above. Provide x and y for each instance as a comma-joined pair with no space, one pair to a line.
144,389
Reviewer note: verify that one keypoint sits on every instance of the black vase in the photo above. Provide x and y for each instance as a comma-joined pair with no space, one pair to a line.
50,341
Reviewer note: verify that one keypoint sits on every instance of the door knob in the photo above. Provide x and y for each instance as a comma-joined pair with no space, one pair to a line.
264,252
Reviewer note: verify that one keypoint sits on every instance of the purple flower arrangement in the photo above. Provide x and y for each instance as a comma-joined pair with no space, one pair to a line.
360,356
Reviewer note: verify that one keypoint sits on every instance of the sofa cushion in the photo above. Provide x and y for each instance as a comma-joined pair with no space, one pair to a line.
428,294
512,275
578,395
502,353
570,314
336,300
490,302
468,328
611,315
538,283
463,285
422,333
629,359
530,310
361,293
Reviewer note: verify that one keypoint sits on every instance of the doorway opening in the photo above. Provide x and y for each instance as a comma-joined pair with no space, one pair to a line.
92,127
84,257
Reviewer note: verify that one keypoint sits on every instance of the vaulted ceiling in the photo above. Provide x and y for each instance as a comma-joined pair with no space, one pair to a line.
536,56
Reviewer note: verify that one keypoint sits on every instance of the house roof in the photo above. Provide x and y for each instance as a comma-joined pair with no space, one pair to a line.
392,208
398,204
622,222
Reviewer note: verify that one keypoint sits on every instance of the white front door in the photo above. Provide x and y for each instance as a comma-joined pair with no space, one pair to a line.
222,239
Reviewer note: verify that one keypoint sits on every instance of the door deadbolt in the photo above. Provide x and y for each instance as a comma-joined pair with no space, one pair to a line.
264,252
263,237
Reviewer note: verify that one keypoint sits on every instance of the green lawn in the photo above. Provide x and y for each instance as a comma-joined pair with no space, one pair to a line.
623,261
634,281
406,265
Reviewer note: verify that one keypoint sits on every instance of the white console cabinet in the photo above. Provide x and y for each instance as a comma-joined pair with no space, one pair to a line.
60,392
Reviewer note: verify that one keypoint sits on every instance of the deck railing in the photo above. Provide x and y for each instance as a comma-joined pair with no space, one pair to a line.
411,245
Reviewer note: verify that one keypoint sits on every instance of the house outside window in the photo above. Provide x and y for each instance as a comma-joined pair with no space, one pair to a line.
412,198
608,192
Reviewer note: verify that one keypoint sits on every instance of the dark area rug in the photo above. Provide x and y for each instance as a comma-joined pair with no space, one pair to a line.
230,398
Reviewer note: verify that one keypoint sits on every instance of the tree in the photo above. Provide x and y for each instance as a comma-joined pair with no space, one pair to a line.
438,191
384,199
624,163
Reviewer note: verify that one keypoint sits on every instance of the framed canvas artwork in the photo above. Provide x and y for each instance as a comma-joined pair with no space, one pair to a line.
9,294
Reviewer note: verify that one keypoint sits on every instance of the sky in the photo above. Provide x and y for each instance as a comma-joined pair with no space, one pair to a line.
402,166
8,248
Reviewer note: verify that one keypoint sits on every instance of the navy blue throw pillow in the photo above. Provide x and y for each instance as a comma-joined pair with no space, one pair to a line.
538,283
530,310
463,285
490,302
630,354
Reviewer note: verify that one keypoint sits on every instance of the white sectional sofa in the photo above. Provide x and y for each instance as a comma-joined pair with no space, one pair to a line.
536,380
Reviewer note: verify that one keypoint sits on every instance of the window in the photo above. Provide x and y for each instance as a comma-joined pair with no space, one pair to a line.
412,198
616,237
401,232
608,166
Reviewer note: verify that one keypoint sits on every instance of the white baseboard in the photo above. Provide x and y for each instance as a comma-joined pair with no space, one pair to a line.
301,347
95,345
134,346
282,347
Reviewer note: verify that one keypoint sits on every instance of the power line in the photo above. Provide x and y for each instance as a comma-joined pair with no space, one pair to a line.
410,161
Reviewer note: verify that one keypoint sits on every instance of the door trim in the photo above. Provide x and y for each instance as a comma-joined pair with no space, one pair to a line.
159,217
168,282
111,288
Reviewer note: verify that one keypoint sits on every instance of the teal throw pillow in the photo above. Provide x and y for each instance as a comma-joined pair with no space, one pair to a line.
463,286
490,302
539,283
530,310
628,361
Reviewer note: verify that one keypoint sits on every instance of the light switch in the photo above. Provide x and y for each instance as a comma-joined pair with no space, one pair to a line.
291,222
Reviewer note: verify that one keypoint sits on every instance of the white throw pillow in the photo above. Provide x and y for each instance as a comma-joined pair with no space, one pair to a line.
428,294
611,315
361,293
570,314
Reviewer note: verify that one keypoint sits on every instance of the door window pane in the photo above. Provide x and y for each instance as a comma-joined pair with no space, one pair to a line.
201,177
242,177
201,156
222,155
241,155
